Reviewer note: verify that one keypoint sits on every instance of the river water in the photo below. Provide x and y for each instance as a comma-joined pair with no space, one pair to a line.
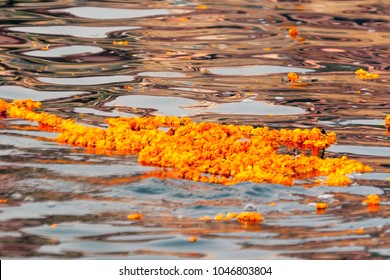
218,61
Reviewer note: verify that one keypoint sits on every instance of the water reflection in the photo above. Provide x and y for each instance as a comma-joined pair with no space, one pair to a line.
178,106
224,62
111,13
74,31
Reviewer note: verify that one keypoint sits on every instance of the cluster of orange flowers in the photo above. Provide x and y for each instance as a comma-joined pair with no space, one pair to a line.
250,218
206,152
387,122
363,74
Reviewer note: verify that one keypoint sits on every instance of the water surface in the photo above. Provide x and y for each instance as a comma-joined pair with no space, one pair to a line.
224,62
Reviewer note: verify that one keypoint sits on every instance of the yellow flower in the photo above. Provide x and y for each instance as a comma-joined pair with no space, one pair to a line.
192,239
372,199
135,216
363,74
321,205
219,217
292,77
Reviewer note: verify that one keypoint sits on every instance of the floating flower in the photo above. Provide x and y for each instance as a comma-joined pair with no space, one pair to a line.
359,231
219,217
122,43
337,179
387,122
293,32
249,218
321,205
372,199
135,216
363,74
292,77
192,239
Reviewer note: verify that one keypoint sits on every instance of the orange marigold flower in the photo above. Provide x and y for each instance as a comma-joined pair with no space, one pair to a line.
359,231
135,216
321,205
387,123
292,77
219,217
363,74
249,218
192,239
372,199
293,32
337,179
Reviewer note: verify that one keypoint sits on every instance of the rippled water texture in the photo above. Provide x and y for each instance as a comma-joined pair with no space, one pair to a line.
220,61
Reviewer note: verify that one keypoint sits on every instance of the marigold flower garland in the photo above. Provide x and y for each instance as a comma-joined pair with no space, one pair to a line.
207,152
